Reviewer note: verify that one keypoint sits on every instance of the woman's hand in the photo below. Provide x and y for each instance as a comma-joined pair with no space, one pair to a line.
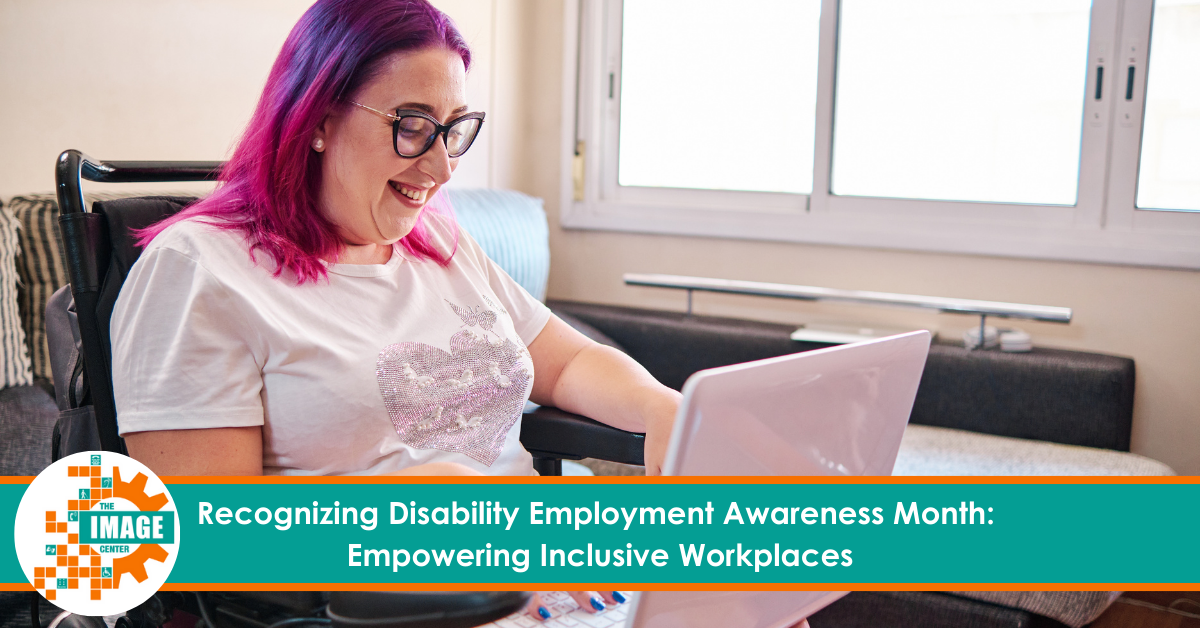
660,420
590,601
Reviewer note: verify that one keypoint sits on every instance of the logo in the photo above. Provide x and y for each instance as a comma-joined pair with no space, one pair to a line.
97,533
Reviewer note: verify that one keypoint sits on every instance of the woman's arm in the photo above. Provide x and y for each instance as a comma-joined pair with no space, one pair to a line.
578,375
216,451
229,451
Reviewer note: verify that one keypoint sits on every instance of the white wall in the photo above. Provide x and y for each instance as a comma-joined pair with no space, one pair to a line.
161,79
176,79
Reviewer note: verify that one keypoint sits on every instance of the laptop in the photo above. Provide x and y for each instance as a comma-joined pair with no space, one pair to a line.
835,411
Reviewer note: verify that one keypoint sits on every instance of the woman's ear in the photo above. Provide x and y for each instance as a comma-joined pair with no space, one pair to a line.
318,142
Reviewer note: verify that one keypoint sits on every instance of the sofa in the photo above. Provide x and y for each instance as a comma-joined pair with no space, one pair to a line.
1048,411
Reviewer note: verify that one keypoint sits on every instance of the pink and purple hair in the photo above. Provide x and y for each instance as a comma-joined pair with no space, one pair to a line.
268,188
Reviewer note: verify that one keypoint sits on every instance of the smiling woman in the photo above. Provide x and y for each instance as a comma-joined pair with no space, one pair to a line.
322,313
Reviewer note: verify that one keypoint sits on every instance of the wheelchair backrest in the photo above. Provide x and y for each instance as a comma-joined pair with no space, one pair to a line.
105,245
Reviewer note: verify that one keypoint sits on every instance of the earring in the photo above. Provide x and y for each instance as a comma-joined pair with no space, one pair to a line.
318,144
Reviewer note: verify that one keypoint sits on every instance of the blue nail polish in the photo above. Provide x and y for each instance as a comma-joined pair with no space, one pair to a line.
543,612
618,597
597,604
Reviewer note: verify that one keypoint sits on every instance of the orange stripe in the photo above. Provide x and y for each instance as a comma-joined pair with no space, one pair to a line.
797,479
16,479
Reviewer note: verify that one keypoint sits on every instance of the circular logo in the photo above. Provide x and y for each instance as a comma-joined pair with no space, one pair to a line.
97,533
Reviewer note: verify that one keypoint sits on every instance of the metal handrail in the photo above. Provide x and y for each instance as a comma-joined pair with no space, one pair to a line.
983,309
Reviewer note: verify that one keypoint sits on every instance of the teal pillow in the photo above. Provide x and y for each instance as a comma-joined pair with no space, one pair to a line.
511,228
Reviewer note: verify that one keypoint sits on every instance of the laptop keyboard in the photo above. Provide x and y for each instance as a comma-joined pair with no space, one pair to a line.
565,613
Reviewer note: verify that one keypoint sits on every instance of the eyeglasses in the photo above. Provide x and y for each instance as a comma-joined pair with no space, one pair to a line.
413,132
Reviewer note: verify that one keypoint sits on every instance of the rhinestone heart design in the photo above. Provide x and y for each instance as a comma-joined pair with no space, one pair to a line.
464,401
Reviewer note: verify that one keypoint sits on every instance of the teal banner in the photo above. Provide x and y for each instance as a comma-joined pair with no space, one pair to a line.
10,498
675,533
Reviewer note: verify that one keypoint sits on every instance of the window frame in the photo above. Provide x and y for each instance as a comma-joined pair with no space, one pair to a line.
1124,215
1103,226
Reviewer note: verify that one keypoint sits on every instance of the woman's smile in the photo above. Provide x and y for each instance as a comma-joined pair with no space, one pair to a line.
408,192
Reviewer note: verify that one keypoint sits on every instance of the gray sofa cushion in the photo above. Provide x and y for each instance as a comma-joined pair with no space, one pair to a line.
929,450
27,416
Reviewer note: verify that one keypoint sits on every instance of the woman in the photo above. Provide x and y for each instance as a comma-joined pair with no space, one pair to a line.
318,314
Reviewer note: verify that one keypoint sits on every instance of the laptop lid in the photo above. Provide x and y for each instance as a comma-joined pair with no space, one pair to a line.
835,411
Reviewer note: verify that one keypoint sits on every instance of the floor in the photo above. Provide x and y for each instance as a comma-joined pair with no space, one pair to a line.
1129,611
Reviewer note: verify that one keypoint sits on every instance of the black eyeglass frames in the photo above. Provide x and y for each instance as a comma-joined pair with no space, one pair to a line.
413,132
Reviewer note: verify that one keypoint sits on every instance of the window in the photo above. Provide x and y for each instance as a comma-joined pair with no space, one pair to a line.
1027,128
690,105
1169,168
965,101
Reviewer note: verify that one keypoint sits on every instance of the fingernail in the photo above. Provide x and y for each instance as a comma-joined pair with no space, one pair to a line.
618,597
597,604
543,612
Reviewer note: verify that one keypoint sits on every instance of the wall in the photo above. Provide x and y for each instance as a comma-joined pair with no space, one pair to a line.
1144,313
161,79
176,79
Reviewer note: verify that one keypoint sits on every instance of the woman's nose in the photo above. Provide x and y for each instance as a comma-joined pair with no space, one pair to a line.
436,162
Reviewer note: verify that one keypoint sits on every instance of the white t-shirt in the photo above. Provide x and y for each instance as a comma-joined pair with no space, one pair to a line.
380,368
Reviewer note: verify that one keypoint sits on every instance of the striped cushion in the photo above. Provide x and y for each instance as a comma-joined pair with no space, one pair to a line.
40,266
14,355
511,228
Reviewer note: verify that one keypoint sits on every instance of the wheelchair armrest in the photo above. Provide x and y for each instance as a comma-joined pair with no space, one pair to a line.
381,609
552,433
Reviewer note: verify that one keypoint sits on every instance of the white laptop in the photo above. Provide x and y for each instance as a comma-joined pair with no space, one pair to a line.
835,411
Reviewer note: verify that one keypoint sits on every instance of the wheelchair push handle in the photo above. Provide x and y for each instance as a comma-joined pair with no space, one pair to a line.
74,166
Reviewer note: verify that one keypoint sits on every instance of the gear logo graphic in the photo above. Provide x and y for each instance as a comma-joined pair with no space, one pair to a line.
96,533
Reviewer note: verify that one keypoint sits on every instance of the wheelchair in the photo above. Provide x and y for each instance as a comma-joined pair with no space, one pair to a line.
99,249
